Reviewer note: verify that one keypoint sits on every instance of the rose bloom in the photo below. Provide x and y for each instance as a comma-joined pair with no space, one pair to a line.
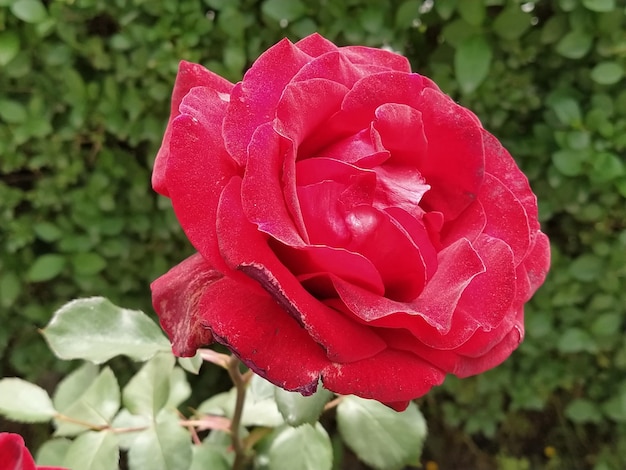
352,224
15,456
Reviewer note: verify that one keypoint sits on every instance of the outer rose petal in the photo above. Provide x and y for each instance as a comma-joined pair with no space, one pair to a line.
392,377
198,168
176,297
189,75
15,456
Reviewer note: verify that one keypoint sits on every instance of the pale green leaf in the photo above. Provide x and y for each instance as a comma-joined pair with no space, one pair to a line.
149,389
93,451
179,388
306,447
472,61
96,406
208,456
165,446
380,436
74,385
52,453
298,409
95,330
26,402
191,364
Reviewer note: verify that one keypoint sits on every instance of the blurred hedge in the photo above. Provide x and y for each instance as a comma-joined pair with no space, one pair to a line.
84,96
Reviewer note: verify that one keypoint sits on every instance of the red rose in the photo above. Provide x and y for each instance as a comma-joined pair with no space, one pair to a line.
15,456
352,223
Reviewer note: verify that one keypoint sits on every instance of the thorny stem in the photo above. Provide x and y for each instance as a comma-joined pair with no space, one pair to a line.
239,381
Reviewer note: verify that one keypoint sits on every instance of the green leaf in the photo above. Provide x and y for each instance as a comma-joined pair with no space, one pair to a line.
472,61
179,388
93,451
87,264
406,13
74,385
126,420
615,408
165,446
568,162
298,409
10,288
607,73
606,166
29,11
208,456
511,23
46,267
52,453
9,47
97,405
607,324
472,11
25,402
586,268
575,44
566,109
575,340
191,364
47,231
583,411
380,436
599,5
305,447
95,330
283,10
445,8
148,391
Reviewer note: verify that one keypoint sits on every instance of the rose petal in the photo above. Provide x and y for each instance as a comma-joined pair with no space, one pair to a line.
189,75
330,66
371,56
245,248
470,224
458,265
300,110
255,98
454,162
176,297
394,377
537,264
505,216
352,267
402,133
499,163
262,194
198,168
315,45
263,335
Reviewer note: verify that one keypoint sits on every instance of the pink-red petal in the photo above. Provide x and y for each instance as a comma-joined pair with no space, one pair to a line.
176,298
255,98
189,75
246,249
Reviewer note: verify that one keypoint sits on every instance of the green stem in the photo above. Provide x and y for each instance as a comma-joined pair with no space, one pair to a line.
240,386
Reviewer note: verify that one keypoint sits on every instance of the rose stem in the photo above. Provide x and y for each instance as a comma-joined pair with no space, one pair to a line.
240,386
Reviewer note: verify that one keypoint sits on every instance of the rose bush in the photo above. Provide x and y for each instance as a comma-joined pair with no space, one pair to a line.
15,456
353,224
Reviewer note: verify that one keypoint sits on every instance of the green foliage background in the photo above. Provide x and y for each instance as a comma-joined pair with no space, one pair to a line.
84,97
